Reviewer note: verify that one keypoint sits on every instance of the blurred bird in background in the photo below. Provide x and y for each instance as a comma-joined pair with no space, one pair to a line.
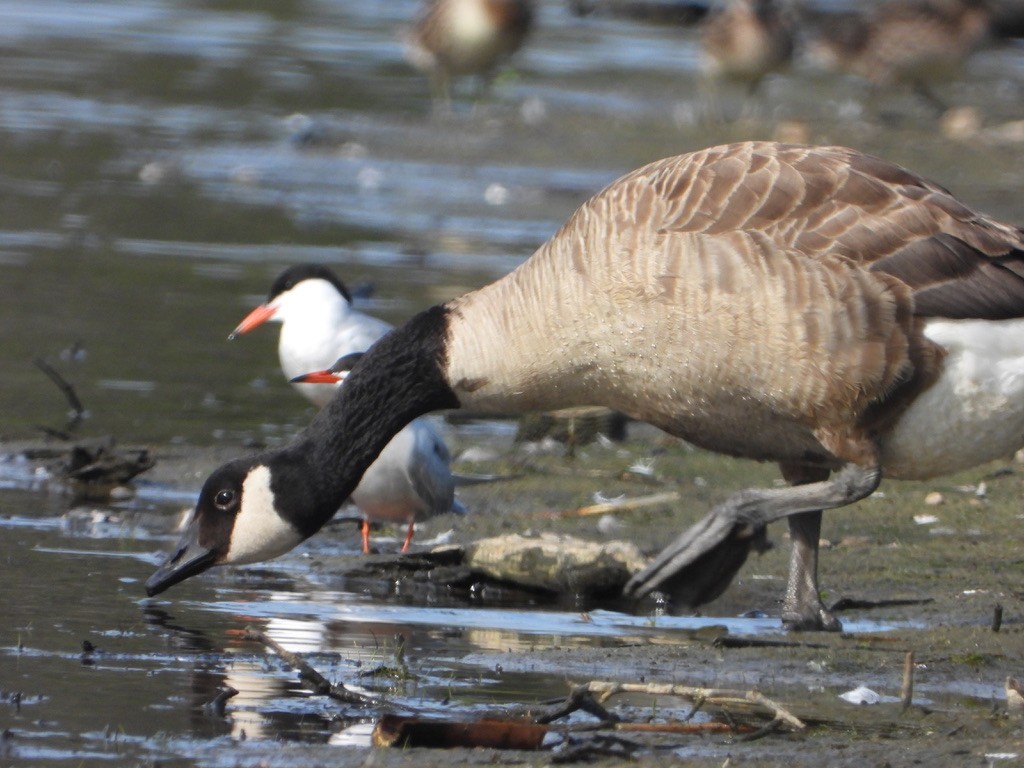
904,42
454,38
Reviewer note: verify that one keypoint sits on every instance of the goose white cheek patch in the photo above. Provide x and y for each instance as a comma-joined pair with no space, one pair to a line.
259,533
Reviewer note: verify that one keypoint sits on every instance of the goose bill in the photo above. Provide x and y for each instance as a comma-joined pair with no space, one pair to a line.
188,559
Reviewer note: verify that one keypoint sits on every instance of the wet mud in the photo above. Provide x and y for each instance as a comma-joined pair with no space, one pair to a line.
923,577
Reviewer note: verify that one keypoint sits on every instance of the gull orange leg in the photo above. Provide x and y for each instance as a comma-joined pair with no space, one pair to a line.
408,537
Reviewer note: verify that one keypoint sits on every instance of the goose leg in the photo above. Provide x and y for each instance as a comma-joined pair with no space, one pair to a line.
699,565
366,536
802,608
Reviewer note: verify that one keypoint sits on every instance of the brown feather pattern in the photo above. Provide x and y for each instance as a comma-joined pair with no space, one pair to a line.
770,296
837,202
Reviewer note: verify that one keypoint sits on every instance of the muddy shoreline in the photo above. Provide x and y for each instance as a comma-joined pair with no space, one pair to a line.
944,573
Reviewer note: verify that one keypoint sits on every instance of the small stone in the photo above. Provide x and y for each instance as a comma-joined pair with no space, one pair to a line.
934,499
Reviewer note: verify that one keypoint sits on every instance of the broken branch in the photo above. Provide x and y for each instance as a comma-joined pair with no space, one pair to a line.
579,698
77,409
729,700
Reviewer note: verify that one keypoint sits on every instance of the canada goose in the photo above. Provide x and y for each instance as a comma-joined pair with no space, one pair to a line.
812,306
412,478
745,40
914,42
467,37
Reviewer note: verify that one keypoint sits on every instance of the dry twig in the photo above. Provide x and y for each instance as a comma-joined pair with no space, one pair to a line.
727,699
77,409
907,690
626,505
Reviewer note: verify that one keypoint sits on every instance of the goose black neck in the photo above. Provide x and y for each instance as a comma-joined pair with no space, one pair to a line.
401,377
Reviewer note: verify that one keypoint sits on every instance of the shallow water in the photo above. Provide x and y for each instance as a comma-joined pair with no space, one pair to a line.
154,179
143,692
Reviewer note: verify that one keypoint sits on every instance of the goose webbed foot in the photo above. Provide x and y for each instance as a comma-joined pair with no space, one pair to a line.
810,618
699,565
713,566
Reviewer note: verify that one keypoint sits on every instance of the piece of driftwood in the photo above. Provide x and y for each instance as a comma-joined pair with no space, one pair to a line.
102,462
401,731
91,468
556,563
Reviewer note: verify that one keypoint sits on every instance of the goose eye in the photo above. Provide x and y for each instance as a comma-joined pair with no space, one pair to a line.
224,499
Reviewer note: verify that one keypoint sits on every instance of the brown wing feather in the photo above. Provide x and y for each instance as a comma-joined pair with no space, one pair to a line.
830,201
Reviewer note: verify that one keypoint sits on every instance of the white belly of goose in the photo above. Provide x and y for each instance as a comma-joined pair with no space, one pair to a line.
974,413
